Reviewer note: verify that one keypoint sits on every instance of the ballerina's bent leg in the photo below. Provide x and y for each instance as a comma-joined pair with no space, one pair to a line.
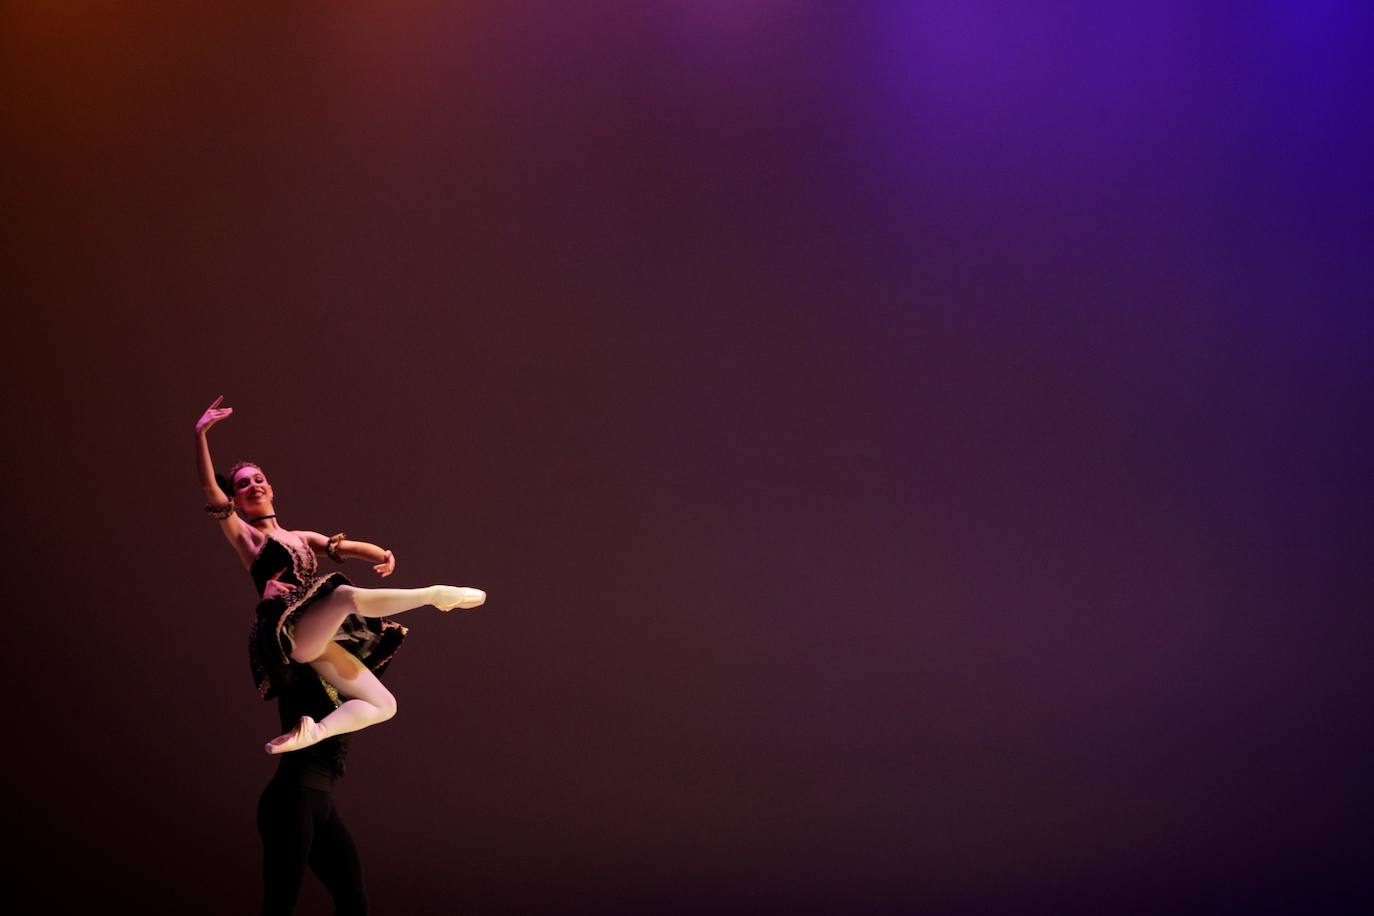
367,702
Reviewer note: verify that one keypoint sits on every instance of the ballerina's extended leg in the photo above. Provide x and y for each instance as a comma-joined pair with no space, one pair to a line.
315,628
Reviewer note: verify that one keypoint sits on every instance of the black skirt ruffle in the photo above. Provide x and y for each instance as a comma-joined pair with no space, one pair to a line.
372,640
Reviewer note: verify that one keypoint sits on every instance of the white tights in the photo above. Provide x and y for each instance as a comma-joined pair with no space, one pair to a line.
368,702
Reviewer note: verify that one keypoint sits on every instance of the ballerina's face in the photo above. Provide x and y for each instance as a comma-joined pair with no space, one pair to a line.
252,492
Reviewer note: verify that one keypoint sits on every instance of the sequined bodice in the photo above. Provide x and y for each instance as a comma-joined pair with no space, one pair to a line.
295,562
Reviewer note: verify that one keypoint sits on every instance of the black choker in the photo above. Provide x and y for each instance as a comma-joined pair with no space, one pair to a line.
260,518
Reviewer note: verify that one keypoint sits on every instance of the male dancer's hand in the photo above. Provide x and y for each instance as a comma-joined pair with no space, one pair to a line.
273,588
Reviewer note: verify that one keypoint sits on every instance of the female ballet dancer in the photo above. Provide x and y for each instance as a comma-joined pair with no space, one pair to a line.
340,630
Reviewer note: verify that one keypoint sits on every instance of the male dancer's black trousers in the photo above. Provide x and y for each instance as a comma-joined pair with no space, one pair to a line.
300,828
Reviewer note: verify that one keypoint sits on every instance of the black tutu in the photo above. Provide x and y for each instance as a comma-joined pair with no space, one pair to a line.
372,640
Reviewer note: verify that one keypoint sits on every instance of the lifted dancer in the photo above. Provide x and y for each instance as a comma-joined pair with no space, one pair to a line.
339,630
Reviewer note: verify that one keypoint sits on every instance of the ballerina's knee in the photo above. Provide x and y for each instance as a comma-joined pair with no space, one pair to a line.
386,708
304,657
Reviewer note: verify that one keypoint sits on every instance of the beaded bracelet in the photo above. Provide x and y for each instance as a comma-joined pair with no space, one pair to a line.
221,512
332,548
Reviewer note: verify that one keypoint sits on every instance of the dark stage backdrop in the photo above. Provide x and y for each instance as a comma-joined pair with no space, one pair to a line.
918,454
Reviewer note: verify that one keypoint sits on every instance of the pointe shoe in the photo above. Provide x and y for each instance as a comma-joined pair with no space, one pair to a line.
306,733
448,597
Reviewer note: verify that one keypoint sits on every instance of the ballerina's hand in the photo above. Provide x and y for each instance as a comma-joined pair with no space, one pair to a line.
213,414
274,589
387,566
